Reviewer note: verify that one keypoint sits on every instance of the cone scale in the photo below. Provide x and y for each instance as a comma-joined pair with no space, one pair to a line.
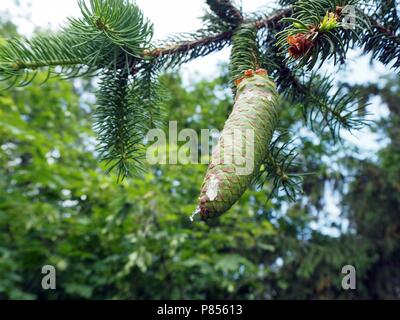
242,146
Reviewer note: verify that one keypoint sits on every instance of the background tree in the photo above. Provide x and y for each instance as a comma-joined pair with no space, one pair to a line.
112,39
130,240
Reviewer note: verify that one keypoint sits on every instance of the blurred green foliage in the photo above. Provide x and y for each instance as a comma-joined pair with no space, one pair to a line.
135,240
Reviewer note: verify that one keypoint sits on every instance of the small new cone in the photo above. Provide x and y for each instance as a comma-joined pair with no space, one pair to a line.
242,146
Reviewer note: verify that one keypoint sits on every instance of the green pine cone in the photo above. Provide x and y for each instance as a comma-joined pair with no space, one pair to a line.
233,164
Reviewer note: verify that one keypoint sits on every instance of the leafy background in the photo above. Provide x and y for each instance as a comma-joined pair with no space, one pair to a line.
135,241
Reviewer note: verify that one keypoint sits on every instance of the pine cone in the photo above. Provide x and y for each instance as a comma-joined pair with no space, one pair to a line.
255,111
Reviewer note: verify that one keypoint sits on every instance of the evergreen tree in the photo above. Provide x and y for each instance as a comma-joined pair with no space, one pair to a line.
134,241
113,41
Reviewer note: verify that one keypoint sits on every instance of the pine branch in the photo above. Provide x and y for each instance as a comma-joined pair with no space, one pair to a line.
118,124
383,42
280,169
200,45
226,11
112,39
317,32
149,96
115,22
22,59
110,35
271,60
273,21
100,43
204,45
175,54
382,29
324,108
185,51
244,54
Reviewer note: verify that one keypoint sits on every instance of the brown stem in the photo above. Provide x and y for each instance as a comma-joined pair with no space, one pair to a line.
188,45
226,11
272,20
266,22
382,29
226,35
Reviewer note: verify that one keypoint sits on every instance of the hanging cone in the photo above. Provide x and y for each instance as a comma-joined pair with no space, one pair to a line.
242,146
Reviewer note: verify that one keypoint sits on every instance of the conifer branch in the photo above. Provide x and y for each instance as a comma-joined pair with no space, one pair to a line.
226,11
383,42
189,45
244,54
119,123
281,168
272,21
219,40
113,39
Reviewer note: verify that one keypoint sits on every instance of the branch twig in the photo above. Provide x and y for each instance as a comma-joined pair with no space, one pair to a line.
226,11
223,36
381,28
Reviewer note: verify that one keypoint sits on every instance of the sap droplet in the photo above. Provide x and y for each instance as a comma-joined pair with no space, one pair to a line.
194,214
